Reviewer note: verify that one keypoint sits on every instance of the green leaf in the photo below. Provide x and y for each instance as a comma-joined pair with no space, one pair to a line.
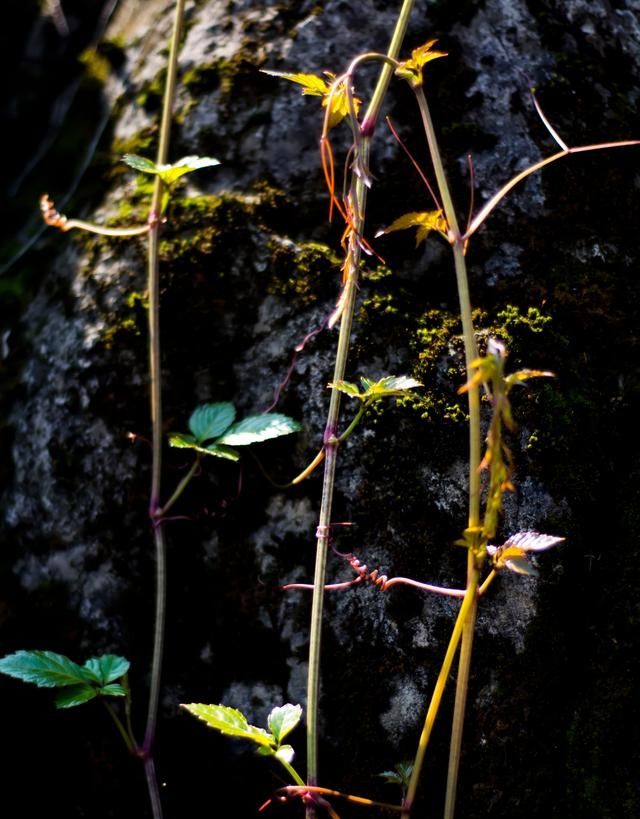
113,690
520,565
400,775
284,719
315,86
211,420
169,173
257,428
285,753
311,84
346,387
182,441
425,222
107,668
140,163
44,669
75,695
220,451
230,721
387,387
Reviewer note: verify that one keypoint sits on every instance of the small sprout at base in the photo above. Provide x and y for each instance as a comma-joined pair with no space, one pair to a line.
400,775
513,552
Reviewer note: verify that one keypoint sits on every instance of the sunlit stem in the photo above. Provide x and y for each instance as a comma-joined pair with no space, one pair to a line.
291,771
70,224
467,623
331,430
436,697
156,412
356,800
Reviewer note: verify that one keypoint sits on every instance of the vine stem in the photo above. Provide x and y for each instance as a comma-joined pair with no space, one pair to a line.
156,414
331,430
465,624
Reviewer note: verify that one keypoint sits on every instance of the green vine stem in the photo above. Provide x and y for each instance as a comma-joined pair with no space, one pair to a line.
156,414
331,439
467,616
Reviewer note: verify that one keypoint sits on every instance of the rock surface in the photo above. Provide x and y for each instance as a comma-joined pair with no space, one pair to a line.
250,268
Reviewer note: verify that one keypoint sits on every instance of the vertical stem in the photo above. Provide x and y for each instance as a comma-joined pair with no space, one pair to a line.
467,617
331,430
156,414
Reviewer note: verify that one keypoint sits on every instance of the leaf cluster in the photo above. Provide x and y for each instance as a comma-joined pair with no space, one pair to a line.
387,387
81,683
280,722
213,431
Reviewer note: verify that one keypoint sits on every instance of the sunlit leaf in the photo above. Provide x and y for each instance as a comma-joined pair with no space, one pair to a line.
229,721
220,451
346,387
311,84
521,376
411,69
211,420
389,385
257,428
107,668
45,669
425,222
140,163
285,753
316,86
169,173
177,439
532,541
74,695
284,719
520,565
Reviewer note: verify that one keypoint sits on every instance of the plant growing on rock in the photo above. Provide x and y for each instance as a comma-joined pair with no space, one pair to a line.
489,473
212,432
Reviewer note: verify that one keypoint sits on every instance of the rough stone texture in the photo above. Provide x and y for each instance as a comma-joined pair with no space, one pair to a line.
247,274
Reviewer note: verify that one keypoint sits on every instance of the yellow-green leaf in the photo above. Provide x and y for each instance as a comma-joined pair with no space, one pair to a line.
424,221
316,86
311,84
230,721
411,69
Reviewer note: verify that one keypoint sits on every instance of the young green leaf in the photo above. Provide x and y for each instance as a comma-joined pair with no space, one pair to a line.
112,690
425,222
74,695
209,421
400,775
313,85
346,387
221,451
107,668
140,163
411,69
285,753
181,441
45,669
284,719
172,172
388,386
230,721
258,428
